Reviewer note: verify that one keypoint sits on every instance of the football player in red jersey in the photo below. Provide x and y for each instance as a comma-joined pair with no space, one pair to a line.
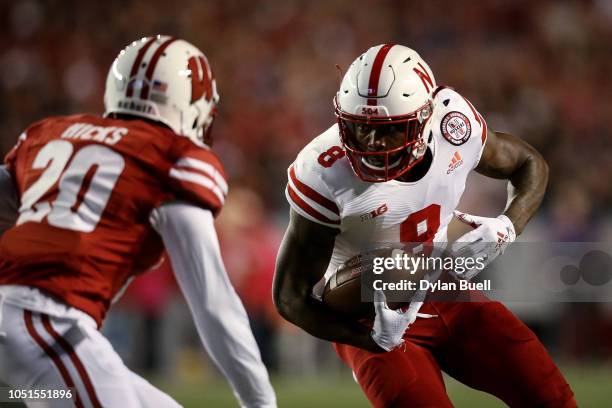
98,200
393,170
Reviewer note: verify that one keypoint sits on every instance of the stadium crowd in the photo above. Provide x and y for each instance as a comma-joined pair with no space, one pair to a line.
538,69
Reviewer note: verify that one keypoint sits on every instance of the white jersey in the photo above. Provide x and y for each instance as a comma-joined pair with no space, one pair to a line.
323,188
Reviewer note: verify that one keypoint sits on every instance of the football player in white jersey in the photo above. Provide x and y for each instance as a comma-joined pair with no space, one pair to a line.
393,170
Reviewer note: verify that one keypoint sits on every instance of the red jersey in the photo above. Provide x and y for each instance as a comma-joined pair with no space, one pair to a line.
87,187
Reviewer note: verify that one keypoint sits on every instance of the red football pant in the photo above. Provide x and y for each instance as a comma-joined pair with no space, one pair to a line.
482,344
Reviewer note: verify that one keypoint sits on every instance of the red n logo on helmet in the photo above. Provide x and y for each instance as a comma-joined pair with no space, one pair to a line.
201,79
424,75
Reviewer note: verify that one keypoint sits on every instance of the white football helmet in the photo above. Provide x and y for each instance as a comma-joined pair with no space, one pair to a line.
388,90
167,80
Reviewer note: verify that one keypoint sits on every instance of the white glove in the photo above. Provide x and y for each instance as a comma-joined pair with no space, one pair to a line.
390,325
487,241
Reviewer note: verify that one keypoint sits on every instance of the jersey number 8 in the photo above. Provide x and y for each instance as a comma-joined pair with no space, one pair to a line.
329,157
106,166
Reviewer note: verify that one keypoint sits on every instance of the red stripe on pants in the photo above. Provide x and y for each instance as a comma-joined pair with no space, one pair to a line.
27,316
75,360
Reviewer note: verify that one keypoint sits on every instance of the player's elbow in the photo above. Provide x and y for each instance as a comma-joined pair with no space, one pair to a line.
284,307
538,166
544,169
288,302
282,300
539,172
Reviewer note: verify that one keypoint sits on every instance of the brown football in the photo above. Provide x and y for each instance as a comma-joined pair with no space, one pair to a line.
344,293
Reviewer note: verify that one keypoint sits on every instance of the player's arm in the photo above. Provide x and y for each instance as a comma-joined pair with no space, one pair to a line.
9,200
508,157
191,241
302,261
504,157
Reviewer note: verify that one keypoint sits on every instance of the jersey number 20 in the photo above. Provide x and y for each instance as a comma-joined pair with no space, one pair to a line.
106,166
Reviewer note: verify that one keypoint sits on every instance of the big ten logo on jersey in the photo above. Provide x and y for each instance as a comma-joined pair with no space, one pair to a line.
103,134
375,213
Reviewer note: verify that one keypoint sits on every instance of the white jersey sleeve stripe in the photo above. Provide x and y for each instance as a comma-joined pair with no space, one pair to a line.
206,168
304,209
200,180
311,193
309,202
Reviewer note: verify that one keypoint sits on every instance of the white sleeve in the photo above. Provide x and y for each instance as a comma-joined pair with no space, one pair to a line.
453,109
191,241
479,138
309,196
9,201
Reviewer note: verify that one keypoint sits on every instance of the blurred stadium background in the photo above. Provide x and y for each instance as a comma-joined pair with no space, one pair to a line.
538,69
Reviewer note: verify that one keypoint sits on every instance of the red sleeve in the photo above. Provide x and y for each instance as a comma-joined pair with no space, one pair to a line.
197,176
11,159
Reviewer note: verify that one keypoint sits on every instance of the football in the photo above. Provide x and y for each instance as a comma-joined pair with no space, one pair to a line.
350,290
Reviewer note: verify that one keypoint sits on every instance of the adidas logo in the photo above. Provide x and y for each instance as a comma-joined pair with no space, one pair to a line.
501,240
456,161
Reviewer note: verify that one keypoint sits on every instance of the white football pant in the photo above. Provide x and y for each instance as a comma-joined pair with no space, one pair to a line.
61,348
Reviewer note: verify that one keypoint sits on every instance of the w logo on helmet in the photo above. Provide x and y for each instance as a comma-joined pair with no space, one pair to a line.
201,79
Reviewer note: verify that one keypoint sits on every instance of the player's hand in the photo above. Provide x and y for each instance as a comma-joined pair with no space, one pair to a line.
488,240
390,325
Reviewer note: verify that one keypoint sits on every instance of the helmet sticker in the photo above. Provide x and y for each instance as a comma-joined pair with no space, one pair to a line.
456,128
425,77
201,79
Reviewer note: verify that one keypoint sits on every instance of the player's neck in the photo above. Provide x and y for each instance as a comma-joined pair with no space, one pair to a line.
127,116
419,170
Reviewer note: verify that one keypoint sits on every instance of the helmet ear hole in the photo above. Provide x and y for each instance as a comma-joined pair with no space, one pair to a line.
195,124
425,113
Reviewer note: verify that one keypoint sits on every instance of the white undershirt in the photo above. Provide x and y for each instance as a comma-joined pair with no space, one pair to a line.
190,238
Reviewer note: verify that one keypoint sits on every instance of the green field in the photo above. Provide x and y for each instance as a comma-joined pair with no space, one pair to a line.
591,384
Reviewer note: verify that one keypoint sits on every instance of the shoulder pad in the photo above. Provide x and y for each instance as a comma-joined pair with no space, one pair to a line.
457,123
456,118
